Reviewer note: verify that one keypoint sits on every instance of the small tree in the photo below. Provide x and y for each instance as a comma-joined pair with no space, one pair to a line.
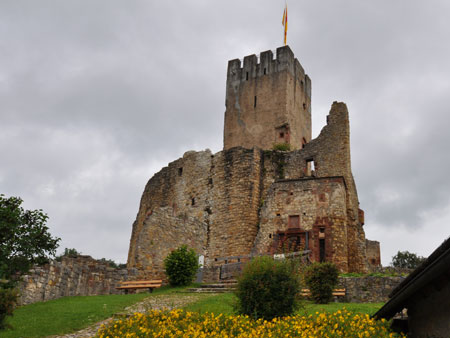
24,241
181,266
407,260
321,279
268,288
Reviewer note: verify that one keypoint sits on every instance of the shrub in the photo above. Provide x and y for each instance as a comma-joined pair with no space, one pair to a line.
282,146
8,299
321,279
267,289
72,253
181,266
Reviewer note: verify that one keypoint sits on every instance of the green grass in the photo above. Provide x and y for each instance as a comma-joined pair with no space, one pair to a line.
223,303
70,314
65,315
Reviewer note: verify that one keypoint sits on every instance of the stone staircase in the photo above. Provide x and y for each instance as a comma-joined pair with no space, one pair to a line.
220,287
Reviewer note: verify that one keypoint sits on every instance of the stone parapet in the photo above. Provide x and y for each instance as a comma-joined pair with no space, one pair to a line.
368,289
80,276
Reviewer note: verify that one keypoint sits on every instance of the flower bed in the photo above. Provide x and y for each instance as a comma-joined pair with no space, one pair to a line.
179,323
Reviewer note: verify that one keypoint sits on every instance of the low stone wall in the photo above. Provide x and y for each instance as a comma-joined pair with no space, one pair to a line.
80,276
368,288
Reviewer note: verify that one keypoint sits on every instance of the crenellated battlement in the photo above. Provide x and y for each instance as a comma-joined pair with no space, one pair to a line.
251,69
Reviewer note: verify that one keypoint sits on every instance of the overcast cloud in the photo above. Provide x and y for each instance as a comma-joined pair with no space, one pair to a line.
97,96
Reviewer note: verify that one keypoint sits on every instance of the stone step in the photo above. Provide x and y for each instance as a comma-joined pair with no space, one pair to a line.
211,290
219,285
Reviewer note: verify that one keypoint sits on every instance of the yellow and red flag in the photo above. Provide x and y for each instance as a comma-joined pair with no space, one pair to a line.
285,23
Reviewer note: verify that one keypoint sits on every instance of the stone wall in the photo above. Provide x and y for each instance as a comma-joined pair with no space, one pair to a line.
368,289
267,102
237,201
313,204
81,276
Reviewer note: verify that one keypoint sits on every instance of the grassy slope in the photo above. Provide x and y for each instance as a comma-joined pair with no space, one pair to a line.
224,304
69,314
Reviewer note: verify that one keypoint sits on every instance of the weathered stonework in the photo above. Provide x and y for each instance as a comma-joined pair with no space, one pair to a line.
248,199
373,253
267,102
368,289
81,276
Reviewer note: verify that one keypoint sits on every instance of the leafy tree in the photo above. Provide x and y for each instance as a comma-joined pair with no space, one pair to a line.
24,241
268,288
24,238
321,279
181,266
407,260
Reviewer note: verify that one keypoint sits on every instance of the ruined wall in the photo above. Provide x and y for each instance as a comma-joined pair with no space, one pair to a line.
373,253
315,202
368,289
81,276
267,102
228,203
209,202
173,211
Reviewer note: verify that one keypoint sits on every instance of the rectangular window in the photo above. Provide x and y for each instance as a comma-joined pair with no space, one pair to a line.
254,104
247,76
322,250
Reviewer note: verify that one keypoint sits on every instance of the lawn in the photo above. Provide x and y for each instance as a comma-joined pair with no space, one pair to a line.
223,303
70,314
65,315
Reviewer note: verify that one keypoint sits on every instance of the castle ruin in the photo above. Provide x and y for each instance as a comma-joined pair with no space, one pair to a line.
251,199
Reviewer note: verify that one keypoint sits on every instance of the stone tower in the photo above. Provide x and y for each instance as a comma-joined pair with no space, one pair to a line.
267,102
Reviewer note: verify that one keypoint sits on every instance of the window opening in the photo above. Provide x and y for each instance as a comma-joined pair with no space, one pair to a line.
180,171
247,76
310,167
322,250
193,201
264,71
281,135
254,104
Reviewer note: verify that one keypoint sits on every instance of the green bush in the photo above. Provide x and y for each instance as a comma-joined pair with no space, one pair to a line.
321,279
8,300
282,146
181,266
268,288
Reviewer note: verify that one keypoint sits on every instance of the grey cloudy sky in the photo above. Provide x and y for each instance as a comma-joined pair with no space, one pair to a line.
97,96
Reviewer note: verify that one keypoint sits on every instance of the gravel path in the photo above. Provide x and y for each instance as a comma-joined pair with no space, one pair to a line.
159,302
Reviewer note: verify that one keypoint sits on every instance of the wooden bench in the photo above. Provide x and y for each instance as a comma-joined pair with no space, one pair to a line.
336,292
139,284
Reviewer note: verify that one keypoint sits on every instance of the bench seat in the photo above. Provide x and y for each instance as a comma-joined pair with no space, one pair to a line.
140,284
336,292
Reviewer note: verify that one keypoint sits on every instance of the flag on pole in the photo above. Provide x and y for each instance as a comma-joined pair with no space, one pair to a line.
285,23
